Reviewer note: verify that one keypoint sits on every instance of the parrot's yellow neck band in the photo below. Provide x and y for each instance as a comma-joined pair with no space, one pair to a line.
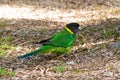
68,30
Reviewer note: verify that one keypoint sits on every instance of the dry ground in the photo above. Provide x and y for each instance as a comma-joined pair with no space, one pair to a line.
24,22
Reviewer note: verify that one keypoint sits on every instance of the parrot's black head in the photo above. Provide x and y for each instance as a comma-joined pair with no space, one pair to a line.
74,27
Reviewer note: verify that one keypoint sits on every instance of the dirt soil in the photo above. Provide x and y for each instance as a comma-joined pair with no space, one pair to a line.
29,21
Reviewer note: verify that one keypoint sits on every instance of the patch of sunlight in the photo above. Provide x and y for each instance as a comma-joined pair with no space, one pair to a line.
29,12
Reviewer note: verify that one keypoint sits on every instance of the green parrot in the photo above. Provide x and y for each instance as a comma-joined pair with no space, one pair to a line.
61,42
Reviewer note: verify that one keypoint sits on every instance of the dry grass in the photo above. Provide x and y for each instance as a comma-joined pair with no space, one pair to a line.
24,22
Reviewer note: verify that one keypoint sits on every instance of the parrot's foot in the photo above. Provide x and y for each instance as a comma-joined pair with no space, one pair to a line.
57,56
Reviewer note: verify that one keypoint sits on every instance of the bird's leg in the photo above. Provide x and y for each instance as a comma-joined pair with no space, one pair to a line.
57,55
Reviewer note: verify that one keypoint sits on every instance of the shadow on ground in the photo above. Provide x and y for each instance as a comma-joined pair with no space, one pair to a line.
30,31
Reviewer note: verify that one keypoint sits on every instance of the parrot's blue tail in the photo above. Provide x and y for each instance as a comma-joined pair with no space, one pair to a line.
43,49
29,54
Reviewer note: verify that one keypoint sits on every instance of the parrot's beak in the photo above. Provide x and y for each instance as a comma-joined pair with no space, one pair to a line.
80,28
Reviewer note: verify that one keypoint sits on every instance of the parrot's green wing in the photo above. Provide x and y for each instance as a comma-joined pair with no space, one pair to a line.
62,39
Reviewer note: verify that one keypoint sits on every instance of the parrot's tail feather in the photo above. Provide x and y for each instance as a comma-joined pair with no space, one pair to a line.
43,49
29,54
